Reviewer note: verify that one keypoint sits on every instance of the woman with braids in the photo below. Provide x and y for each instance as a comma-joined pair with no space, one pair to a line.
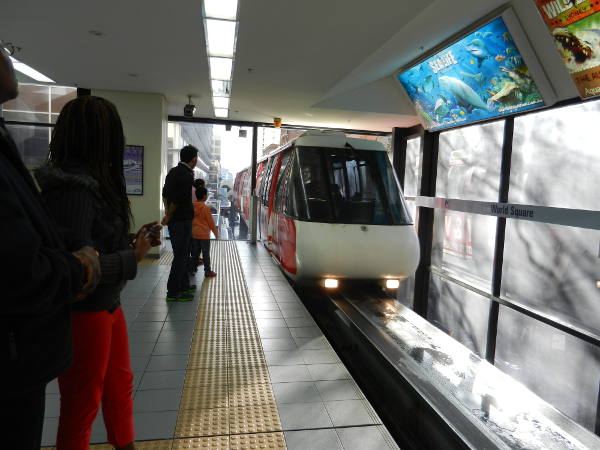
84,189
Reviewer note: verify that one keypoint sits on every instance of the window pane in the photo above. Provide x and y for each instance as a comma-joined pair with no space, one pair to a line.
412,170
459,312
561,369
33,143
469,162
553,269
555,158
315,185
463,245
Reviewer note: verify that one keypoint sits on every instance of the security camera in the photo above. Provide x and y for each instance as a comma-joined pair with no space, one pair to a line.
189,109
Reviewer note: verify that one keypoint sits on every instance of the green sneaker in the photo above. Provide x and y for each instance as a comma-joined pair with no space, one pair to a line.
180,298
190,290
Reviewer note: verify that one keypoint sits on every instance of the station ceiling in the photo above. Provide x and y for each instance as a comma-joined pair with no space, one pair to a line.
311,62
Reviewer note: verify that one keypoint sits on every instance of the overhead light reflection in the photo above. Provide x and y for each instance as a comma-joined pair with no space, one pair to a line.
30,71
221,9
221,37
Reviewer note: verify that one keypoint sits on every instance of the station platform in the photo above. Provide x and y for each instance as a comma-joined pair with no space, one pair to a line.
243,366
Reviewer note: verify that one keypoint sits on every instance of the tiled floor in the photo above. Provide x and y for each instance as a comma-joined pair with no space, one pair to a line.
253,364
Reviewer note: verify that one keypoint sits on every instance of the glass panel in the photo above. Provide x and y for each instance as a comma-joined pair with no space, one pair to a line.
412,171
554,269
555,158
561,369
38,103
296,204
459,312
469,162
222,154
267,184
280,188
463,245
359,186
315,185
33,143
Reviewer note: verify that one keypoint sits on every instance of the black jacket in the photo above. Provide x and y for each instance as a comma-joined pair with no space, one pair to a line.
178,190
74,199
39,279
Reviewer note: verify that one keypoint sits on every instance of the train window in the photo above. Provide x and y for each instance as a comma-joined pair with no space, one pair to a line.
314,185
351,186
267,181
279,189
295,200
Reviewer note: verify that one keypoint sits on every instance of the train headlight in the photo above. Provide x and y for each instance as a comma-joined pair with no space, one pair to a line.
392,284
331,283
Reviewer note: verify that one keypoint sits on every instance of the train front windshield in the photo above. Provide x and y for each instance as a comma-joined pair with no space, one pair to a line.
350,186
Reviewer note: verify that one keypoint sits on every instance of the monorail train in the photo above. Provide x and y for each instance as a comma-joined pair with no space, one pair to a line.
330,208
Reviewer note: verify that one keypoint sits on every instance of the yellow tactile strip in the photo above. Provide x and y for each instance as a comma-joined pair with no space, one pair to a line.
227,401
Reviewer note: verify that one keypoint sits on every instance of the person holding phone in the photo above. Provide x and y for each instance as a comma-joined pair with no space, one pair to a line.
40,278
84,188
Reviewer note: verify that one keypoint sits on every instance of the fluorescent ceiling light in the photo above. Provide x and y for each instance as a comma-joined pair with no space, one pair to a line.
220,68
221,9
30,71
221,112
220,88
221,102
220,35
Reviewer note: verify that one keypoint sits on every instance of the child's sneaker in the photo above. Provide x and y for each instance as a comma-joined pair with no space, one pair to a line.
210,274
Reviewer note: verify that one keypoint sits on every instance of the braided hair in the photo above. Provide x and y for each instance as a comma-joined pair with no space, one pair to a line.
89,134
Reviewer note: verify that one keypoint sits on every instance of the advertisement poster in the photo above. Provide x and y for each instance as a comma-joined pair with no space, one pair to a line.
575,26
133,169
479,77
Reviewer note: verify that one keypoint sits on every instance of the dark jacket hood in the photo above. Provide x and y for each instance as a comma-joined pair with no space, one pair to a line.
50,178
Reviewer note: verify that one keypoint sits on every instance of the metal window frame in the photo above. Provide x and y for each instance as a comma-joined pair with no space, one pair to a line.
428,175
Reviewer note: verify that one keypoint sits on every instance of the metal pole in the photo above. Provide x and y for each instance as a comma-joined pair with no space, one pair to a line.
399,153
490,351
254,204
429,152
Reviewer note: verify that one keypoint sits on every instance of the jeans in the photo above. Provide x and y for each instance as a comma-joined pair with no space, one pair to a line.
181,235
202,245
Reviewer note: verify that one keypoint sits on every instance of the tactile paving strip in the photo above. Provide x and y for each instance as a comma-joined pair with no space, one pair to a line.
257,441
227,401
207,443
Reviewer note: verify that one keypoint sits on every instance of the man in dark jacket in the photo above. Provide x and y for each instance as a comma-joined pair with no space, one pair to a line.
39,280
177,195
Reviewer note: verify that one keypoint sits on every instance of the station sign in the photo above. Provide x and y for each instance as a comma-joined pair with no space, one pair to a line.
575,27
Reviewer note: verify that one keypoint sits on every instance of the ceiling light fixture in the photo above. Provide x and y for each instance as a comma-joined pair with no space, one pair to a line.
220,36
220,68
30,71
221,112
220,27
221,9
220,88
221,102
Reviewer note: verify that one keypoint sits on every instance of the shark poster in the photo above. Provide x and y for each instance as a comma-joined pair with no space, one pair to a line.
575,27
479,77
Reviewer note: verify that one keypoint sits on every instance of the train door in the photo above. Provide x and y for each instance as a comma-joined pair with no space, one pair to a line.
264,201
282,227
271,198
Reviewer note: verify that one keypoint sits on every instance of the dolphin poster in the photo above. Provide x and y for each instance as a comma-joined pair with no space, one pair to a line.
479,77
575,27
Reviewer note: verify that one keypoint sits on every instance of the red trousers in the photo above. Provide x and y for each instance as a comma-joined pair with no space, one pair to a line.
101,373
